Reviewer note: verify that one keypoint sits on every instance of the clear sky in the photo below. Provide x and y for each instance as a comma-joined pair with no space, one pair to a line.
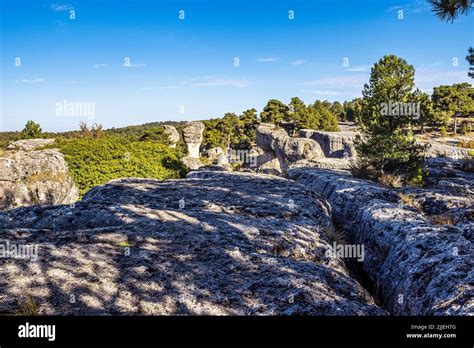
184,69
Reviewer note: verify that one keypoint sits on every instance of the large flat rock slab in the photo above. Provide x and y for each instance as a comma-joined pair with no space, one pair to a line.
215,243
418,266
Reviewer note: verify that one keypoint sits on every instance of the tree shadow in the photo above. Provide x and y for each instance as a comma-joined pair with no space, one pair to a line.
237,246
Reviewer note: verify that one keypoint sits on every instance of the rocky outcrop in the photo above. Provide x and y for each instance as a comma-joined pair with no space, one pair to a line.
334,144
34,177
450,175
441,150
214,154
29,144
418,264
326,163
173,135
268,163
192,163
192,135
214,243
286,149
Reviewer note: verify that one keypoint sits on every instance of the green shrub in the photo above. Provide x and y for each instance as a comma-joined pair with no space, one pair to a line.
94,161
32,130
443,131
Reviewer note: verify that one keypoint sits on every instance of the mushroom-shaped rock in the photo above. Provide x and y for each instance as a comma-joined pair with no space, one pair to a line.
192,135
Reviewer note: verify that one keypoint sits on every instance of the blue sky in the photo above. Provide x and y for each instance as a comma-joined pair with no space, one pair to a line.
184,69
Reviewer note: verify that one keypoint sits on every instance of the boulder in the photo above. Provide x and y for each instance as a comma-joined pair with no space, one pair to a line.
173,135
326,163
223,161
192,163
441,150
215,153
416,266
214,243
35,177
450,175
29,144
286,149
296,149
192,135
334,144
268,136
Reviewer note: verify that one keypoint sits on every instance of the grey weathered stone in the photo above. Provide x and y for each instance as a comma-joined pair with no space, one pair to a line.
268,136
450,175
418,267
325,163
215,153
286,149
214,243
35,177
29,144
192,136
334,144
173,135
441,150
192,163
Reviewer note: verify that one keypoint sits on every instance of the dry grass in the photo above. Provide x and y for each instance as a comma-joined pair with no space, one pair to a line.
442,219
468,144
335,236
409,201
28,307
46,176
363,170
390,180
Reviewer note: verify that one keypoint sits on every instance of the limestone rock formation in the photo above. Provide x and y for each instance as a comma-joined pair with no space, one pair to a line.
29,144
214,154
441,150
334,144
214,243
268,163
450,175
34,177
419,263
326,163
286,149
172,134
192,163
192,135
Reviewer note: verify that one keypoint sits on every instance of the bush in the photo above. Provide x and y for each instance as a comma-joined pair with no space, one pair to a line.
95,161
156,134
32,130
465,128
443,131
362,169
